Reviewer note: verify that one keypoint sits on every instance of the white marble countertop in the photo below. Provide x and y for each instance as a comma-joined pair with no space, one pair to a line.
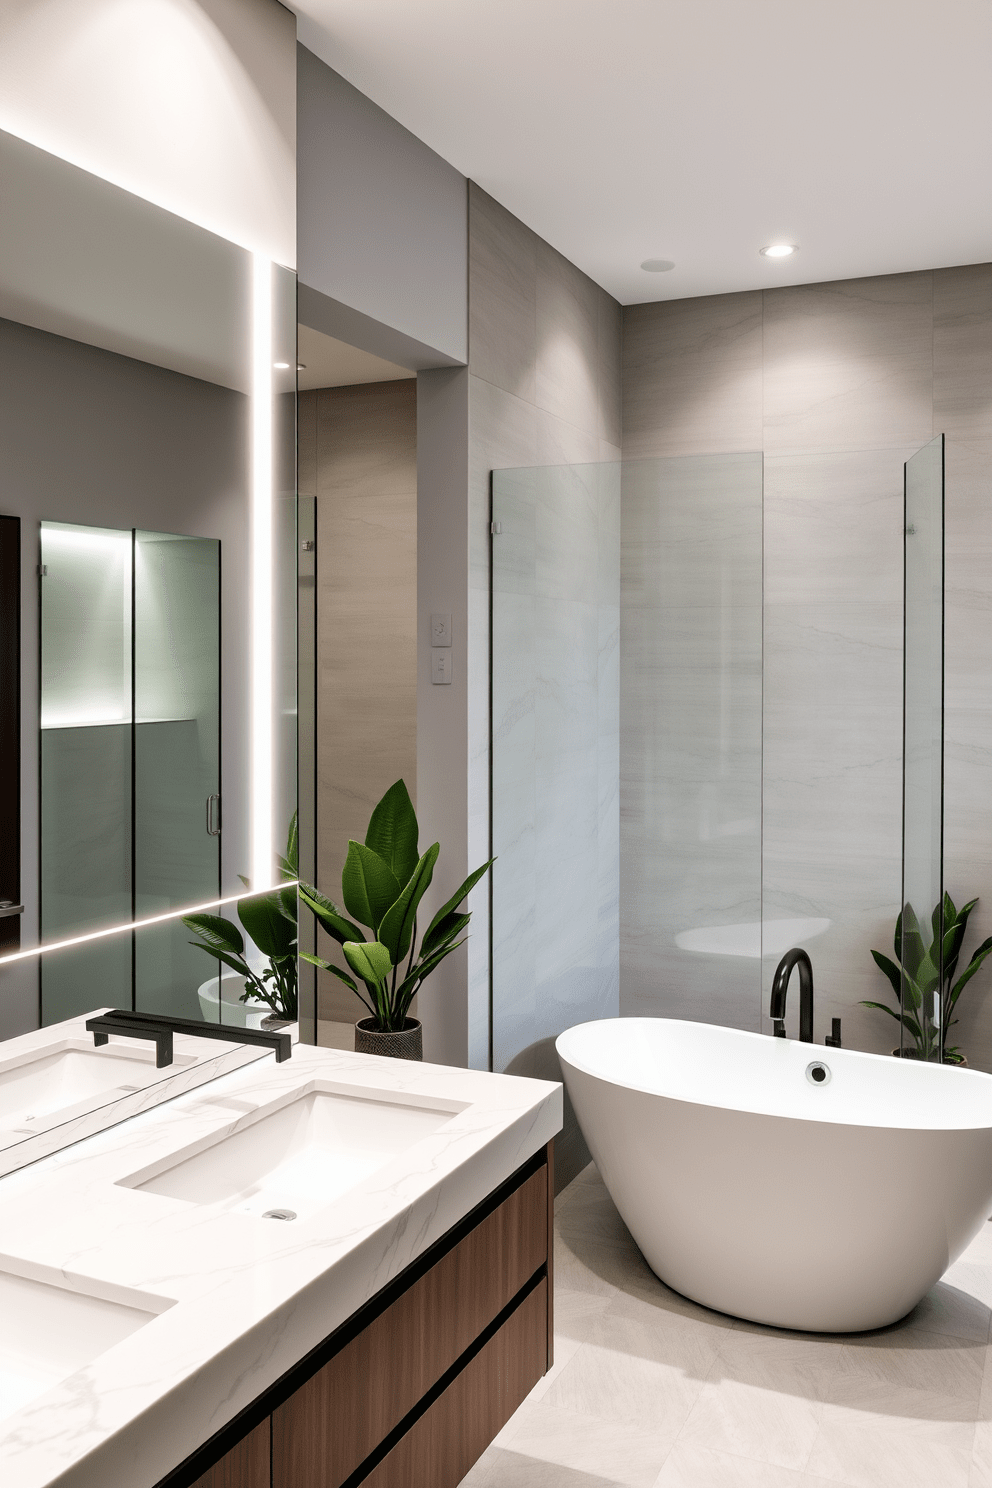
233,1299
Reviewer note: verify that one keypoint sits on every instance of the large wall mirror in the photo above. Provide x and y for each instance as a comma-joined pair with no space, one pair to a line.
148,621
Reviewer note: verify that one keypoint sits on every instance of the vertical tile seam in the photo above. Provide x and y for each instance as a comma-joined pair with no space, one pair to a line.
761,777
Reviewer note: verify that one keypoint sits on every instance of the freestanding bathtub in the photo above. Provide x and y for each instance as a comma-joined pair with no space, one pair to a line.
757,1184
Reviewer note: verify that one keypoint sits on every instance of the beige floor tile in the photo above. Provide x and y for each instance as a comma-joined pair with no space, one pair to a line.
616,1452
917,1360
956,1305
504,1468
699,1467
612,1386
981,1460
890,1446
750,1420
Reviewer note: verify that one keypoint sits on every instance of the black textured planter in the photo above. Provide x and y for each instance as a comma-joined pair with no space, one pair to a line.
408,1043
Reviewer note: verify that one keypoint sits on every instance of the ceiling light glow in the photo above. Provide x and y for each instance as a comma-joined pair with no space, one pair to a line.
779,250
262,578
283,366
657,265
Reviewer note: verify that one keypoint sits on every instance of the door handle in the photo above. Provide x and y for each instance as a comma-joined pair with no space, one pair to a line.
213,816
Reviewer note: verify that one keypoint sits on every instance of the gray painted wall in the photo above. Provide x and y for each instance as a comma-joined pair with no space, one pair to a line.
838,384
382,227
88,436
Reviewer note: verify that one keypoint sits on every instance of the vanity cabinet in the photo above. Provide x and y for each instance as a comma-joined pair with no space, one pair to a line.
412,1389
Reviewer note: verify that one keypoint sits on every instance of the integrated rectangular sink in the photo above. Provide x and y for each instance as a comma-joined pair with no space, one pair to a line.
293,1161
49,1085
48,1332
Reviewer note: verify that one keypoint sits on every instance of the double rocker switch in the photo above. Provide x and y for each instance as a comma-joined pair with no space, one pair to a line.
440,649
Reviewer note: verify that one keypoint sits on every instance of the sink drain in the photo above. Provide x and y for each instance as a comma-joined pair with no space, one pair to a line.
279,1214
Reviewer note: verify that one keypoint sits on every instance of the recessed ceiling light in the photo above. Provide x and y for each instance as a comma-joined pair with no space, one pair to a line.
779,250
657,265
281,365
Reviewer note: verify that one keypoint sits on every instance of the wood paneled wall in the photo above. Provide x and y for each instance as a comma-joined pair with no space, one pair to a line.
358,456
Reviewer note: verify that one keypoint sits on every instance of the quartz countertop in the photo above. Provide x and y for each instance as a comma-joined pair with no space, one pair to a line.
229,1300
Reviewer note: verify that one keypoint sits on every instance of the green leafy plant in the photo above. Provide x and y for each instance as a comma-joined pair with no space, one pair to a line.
271,922
384,879
917,982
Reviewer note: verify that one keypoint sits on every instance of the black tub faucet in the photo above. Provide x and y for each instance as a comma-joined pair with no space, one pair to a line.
780,985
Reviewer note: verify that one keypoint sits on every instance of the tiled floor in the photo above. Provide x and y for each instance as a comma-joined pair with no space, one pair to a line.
650,1391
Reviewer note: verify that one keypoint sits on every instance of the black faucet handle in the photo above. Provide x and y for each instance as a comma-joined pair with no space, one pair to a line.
832,1040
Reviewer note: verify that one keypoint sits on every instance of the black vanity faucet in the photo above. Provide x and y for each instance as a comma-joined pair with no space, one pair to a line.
780,985
159,1030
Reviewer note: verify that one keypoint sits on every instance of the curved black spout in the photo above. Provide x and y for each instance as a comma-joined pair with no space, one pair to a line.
780,985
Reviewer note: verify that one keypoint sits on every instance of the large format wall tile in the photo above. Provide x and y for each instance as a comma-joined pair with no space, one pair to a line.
568,361
962,351
502,324
692,376
848,365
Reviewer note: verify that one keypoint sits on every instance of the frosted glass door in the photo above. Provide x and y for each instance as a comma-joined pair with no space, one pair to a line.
177,816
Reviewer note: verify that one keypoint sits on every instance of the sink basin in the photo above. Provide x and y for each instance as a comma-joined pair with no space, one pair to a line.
49,1332
49,1085
292,1161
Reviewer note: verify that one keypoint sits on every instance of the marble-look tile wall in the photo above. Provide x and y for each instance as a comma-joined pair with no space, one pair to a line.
358,456
837,384
544,390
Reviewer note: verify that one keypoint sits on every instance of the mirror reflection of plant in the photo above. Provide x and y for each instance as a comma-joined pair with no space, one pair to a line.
914,977
382,885
271,922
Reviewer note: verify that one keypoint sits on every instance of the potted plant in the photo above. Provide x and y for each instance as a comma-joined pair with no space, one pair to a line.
271,922
383,882
914,979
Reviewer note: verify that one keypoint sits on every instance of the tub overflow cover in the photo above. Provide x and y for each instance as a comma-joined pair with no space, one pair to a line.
279,1214
817,1073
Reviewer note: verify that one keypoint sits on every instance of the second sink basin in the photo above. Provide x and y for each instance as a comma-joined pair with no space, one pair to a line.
52,1084
290,1162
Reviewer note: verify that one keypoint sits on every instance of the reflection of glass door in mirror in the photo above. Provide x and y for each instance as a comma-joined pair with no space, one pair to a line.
176,760
130,761
85,761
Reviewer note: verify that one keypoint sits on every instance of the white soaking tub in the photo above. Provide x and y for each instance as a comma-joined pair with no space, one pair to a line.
756,1185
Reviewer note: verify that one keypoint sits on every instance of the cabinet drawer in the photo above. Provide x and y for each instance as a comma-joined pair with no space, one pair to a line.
453,1433
333,1421
246,1465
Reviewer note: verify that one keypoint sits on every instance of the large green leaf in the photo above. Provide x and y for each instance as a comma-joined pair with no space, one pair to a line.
236,963
262,916
329,915
396,930
368,959
329,966
457,897
405,992
290,864
368,884
892,972
219,933
445,930
393,833
977,958
913,947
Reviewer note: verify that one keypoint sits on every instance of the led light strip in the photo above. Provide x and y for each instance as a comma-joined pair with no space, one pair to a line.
173,914
262,578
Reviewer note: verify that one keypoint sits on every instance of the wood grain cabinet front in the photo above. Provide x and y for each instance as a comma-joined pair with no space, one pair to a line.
413,1388
329,1426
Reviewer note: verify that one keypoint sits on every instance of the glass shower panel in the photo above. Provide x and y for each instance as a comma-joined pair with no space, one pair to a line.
555,757
923,750
85,871
177,806
691,704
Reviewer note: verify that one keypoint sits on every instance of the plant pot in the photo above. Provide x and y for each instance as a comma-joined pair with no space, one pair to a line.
229,1008
274,1024
407,1043
960,1063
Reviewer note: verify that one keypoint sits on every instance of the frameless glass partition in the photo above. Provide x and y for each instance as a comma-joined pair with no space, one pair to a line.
691,705
555,756
923,1031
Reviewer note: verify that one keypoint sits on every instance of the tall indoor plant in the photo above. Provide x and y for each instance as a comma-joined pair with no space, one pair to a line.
271,922
382,884
914,978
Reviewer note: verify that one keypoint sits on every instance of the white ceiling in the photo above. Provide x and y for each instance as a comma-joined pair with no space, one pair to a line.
698,130
327,362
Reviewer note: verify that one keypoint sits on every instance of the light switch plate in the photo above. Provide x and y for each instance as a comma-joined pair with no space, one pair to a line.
440,630
440,666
